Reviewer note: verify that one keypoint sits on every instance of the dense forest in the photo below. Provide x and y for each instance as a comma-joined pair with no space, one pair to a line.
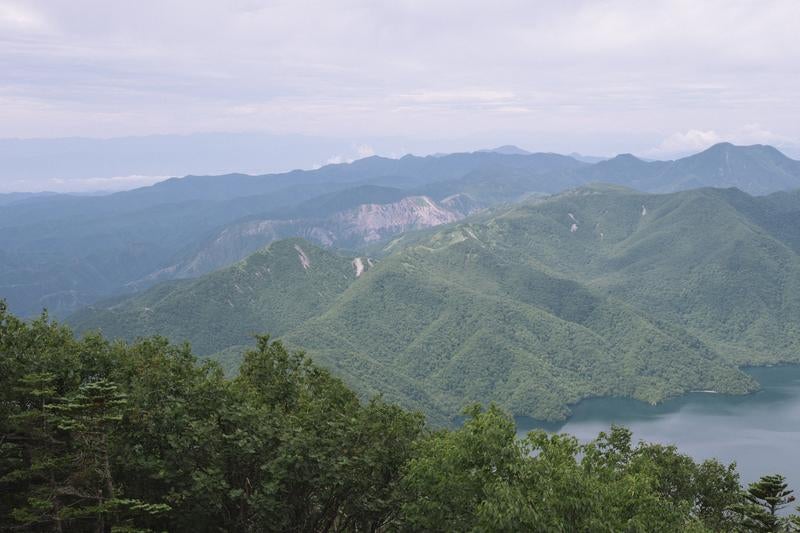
110,436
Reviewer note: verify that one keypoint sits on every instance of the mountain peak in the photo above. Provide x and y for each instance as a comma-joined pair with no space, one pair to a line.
724,145
622,161
506,149
757,169
625,157
727,147
724,148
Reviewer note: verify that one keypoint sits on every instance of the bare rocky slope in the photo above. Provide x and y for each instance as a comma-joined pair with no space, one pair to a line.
350,229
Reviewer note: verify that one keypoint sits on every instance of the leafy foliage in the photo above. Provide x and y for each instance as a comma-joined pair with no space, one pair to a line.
482,478
140,437
100,435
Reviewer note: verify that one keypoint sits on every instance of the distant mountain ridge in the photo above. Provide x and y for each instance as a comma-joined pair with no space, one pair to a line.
756,169
14,197
62,252
507,149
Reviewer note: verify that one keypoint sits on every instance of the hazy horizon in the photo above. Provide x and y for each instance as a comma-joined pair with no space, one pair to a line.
334,82
152,159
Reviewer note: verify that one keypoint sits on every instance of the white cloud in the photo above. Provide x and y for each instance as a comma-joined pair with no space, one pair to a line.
755,134
361,151
336,160
682,143
364,150
79,185
19,17
692,141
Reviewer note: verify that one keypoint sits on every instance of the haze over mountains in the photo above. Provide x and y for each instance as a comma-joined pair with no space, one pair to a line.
62,252
86,164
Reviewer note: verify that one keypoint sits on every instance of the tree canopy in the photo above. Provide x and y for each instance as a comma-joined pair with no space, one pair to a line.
109,436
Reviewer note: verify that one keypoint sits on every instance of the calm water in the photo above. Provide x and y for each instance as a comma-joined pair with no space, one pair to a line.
761,431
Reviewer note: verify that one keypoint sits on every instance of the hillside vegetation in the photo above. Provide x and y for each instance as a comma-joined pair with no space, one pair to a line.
272,290
595,292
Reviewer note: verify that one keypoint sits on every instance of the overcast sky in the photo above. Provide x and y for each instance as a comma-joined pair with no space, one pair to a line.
650,77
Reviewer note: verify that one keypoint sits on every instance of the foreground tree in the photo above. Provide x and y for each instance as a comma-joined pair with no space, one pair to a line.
763,500
99,436
482,477
326,461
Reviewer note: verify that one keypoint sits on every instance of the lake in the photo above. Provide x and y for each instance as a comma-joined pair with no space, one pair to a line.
760,431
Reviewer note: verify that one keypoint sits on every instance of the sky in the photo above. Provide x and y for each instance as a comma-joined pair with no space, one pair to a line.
656,78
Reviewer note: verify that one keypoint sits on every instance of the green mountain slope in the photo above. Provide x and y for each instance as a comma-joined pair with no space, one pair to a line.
271,291
711,261
757,169
598,291
457,321
708,280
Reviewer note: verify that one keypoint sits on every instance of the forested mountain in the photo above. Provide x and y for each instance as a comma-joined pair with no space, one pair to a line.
62,252
100,436
272,290
597,291
593,292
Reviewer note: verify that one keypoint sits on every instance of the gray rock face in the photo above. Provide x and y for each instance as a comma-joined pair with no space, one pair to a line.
349,228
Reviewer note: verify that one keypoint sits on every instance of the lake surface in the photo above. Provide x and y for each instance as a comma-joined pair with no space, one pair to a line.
760,431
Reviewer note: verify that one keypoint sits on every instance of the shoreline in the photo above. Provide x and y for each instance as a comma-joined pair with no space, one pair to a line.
646,408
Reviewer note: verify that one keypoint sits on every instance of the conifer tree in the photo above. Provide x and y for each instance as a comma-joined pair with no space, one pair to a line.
764,498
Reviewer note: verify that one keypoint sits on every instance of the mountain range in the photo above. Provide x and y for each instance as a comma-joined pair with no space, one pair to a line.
756,169
63,252
600,290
